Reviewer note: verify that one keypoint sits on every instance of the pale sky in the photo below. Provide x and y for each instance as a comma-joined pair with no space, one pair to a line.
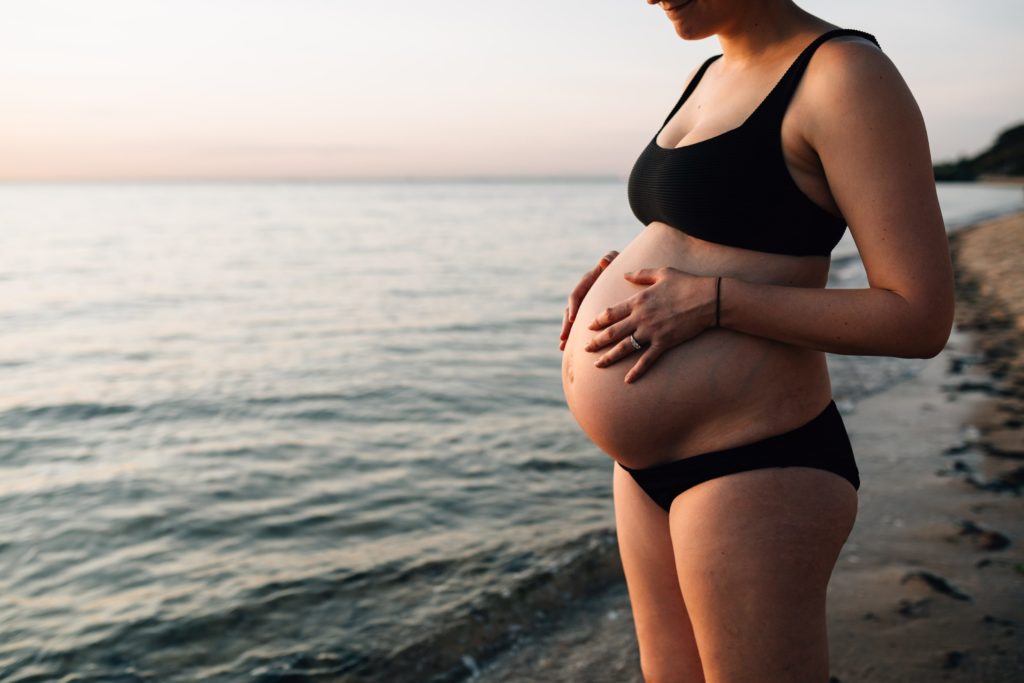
100,89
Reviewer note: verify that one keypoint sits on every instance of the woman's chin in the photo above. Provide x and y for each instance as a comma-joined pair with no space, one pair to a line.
688,31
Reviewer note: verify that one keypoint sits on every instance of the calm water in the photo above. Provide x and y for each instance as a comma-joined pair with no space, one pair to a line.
304,432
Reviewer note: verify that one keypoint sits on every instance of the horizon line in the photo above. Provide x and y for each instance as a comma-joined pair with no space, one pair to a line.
316,179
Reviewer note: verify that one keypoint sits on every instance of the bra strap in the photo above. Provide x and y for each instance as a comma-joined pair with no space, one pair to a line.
690,87
778,100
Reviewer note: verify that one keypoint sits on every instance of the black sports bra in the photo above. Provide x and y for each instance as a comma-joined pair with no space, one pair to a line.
735,188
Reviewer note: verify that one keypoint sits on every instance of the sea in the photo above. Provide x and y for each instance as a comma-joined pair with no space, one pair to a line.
307,431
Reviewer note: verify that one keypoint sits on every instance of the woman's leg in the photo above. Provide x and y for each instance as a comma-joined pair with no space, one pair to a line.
668,653
754,552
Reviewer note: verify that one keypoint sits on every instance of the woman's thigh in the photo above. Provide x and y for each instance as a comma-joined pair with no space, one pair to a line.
668,652
754,552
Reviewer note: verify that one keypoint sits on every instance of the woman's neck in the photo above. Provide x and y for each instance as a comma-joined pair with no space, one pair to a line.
762,28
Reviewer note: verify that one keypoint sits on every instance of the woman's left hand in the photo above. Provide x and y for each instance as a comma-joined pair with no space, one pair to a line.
674,307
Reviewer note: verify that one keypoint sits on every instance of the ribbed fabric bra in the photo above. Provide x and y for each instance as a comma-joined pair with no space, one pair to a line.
735,188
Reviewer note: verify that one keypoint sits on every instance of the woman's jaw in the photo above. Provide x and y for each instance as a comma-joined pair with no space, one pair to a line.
698,19
689,18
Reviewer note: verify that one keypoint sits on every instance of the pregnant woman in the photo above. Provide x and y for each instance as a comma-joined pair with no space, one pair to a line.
695,358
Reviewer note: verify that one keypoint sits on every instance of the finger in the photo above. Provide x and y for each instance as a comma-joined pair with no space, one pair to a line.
644,276
581,288
607,258
650,354
566,325
580,291
615,354
611,315
587,281
610,335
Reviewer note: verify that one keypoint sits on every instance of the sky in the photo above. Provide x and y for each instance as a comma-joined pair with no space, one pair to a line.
183,89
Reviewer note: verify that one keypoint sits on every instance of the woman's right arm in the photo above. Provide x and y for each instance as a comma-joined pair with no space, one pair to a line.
580,291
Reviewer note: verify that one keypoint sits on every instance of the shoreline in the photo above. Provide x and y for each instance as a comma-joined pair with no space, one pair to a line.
930,584
1006,180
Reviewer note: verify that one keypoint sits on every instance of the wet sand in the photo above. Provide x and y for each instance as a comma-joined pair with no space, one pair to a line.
930,585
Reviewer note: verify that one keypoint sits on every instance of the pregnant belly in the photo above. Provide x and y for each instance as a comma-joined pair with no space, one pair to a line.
721,388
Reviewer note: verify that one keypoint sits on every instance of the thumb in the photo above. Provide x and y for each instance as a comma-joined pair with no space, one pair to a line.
644,276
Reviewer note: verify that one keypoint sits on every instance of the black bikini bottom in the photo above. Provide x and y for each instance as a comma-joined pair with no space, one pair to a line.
821,443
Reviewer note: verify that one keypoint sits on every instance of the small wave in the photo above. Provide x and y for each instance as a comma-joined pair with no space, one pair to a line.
23,451
541,465
171,409
301,398
490,325
61,412
406,404
272,451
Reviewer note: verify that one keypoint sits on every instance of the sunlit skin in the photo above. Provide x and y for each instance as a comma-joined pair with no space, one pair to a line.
752,552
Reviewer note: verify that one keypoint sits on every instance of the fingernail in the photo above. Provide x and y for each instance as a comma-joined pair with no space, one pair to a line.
598,363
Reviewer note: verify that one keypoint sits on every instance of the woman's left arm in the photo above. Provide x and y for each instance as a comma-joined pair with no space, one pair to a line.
871,140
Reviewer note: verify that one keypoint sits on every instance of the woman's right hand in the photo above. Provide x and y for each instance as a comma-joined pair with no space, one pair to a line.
580,291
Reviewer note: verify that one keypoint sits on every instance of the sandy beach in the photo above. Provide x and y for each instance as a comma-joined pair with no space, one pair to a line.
930,585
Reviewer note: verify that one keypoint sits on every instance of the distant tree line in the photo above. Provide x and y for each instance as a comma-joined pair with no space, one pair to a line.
1004,158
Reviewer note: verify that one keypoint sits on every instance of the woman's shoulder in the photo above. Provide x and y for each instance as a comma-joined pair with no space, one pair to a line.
851,66
850,75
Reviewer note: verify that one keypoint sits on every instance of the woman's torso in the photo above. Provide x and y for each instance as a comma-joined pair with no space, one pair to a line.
718,389
721,388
